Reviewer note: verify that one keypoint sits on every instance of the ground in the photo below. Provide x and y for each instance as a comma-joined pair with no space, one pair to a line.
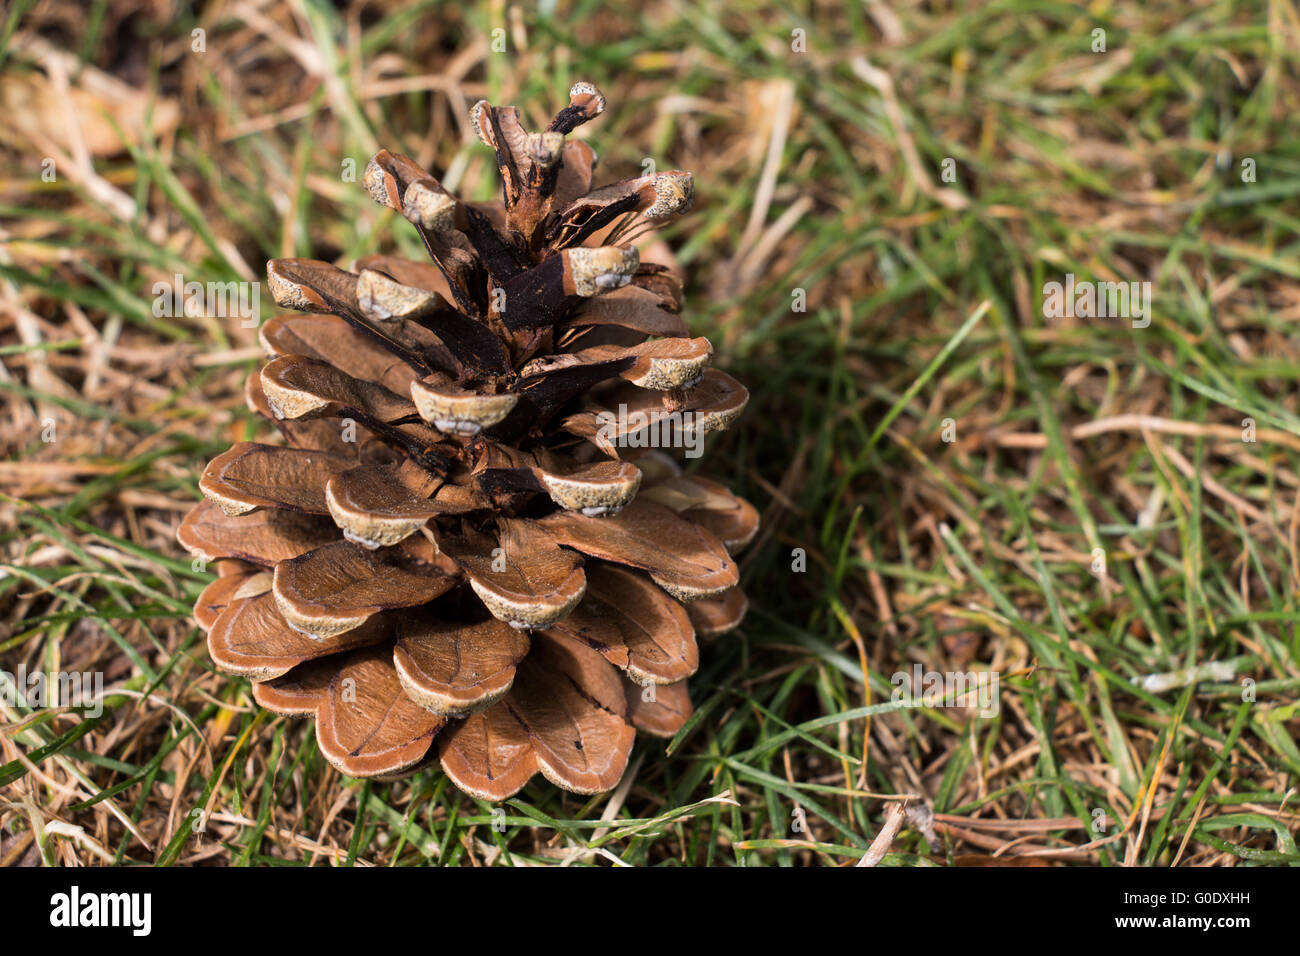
955,475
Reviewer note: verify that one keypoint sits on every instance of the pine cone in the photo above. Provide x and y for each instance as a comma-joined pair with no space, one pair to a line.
468,549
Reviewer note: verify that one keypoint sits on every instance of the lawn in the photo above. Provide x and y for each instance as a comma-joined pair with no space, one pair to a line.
1095,515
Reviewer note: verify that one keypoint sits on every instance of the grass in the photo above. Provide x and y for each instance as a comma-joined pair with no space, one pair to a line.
948,477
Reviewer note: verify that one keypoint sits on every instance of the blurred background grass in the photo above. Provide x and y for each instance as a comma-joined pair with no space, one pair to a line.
947,477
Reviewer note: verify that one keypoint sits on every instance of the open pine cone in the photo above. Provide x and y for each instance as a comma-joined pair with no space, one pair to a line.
466,549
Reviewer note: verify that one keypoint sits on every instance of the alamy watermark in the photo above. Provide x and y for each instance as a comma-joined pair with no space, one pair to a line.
219,300
1098,300
133,911
39,690
948,689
